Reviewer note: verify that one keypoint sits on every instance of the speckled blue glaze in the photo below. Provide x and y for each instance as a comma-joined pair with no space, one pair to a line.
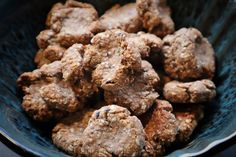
22,20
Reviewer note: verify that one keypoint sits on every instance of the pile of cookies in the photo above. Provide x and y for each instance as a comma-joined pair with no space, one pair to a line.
135,66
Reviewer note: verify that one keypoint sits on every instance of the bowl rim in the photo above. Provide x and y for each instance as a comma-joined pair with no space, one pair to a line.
23,149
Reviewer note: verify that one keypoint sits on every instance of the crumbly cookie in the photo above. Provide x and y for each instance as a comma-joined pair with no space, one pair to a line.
34,105
161,128
45,91
139,95
124,17
67,24
188,117
188,55
60,96
190,92
112,131
50,54
156,16
68,133
71,22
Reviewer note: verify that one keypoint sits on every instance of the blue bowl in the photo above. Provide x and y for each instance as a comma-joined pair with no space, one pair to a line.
22,20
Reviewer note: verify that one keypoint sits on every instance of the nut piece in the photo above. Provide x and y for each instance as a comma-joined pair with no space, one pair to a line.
188,117
161,128
156,16
139,94
188,55
191,92
113,132
124,17
68,133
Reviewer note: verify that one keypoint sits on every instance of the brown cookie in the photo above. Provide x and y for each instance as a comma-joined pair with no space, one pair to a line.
190,92
113,131
188,55
156,16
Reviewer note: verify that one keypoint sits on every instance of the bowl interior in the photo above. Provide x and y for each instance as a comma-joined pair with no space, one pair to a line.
22,20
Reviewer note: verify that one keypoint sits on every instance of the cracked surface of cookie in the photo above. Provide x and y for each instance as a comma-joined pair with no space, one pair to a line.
188,117
188,55
50,54
60,96
113,131
190,92
139,95
73,71
71,22
108,44
115,55
160,126
145,43
34,105
68,133
67,24
47,73
124,17
156,16
51,92
111,58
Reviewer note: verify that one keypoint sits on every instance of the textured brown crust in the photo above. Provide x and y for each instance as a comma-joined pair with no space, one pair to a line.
68,133
60,96
73,71
161,128
117,42
50,54
124,17
139,94
156,16
48,73
188,117
72,22
67,24
113,132
111,58
34,105
53,95
109,44
191,92
145,43
188,55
